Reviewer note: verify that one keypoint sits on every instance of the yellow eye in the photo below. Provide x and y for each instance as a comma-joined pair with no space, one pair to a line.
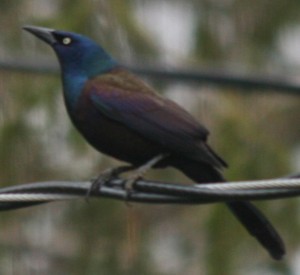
67,41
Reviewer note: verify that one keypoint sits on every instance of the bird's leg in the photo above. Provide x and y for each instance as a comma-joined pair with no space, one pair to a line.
141,170
113,173
108,175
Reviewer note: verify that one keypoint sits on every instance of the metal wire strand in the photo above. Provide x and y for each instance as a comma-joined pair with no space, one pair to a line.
149,192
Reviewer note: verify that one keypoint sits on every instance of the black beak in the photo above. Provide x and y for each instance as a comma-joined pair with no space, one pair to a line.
44,34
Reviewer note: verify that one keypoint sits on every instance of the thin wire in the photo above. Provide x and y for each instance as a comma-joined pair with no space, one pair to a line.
272,83
36,197
259,184
149,192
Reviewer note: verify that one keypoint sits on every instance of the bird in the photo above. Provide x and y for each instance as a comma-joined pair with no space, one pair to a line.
121,116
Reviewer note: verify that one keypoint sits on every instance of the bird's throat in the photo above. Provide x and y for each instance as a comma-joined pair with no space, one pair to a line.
72,88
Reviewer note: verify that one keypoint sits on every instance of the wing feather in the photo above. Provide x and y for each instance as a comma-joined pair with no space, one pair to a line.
124,98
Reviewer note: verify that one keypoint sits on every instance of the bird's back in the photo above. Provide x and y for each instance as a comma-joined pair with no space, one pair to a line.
122,116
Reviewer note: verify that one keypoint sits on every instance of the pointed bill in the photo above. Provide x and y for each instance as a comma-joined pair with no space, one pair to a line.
44,34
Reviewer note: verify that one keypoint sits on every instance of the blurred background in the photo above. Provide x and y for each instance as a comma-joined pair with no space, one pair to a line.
256,131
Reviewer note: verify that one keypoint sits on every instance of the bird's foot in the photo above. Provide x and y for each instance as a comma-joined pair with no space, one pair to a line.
106,176
139,172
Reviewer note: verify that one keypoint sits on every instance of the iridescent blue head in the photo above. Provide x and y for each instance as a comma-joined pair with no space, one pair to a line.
77,54
80,59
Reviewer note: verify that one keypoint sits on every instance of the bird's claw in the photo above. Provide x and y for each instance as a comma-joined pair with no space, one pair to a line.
129,185
106,176
139,173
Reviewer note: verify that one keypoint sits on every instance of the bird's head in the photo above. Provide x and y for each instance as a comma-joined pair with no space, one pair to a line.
77,54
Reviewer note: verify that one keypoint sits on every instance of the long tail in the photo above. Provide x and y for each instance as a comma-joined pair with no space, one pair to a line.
250,217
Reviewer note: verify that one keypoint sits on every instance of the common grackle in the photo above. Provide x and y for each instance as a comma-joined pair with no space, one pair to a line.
121,116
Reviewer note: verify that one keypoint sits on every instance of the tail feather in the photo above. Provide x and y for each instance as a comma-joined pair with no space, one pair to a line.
249,216
259,227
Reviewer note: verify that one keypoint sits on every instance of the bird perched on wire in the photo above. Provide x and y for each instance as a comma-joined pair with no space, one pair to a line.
121,116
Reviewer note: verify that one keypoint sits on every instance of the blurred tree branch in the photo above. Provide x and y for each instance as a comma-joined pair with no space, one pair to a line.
272,83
